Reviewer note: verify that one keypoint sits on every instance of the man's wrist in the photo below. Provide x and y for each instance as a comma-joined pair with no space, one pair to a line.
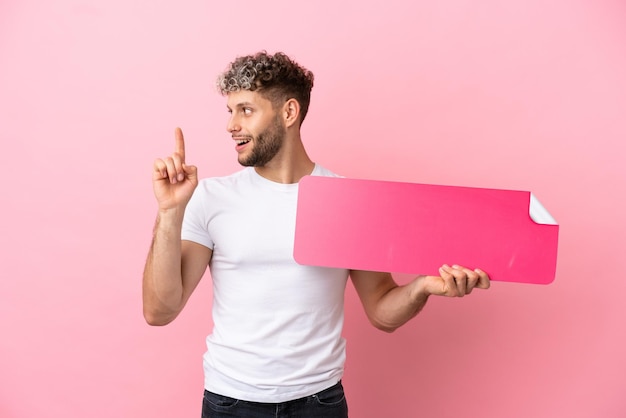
173,213
169,218
419,291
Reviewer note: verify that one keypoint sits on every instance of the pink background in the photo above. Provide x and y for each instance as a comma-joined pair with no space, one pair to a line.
526,95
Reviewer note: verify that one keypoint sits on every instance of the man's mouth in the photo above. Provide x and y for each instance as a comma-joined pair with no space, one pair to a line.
243,141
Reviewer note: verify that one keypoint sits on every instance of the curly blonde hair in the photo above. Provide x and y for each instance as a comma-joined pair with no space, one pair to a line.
277,77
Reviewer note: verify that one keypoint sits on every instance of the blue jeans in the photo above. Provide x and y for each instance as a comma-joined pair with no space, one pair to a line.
329,403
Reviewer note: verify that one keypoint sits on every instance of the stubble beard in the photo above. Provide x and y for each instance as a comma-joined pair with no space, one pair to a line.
265,145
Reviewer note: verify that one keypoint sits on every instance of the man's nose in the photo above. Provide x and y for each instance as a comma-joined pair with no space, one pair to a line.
233,125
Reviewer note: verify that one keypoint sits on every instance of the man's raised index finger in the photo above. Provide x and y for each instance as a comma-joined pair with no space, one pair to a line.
180,143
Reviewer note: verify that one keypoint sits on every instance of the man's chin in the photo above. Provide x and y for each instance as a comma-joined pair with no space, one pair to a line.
248,163
252,162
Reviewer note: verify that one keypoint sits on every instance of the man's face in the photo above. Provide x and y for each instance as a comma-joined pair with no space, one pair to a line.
256,127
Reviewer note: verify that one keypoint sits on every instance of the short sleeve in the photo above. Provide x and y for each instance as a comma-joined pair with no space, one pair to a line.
196,219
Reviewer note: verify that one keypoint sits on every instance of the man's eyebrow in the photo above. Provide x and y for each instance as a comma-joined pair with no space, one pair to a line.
242,104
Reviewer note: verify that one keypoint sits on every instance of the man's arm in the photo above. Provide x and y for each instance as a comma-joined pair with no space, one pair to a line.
173,268
389,306
172,272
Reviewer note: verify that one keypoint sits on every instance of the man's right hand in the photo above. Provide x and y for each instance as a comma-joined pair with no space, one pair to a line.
174,181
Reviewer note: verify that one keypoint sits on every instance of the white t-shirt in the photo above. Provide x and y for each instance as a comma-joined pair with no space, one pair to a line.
277,324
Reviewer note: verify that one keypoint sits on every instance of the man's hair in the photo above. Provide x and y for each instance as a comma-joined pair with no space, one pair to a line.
276,77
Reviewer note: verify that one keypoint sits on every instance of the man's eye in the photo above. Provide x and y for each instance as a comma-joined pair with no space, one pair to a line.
247,110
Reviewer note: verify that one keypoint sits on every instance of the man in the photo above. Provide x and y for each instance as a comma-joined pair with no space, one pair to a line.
276,347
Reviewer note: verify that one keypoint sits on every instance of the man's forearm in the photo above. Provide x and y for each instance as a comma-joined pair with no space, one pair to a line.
399,305
162,280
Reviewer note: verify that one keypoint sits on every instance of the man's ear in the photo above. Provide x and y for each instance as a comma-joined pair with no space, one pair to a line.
291,112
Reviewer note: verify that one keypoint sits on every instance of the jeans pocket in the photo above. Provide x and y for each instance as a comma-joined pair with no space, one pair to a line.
332,396
218,403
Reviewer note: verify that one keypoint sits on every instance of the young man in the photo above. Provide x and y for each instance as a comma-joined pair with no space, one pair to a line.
276,347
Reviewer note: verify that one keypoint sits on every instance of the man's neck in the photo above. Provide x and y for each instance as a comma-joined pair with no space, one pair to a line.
289,165
286,172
